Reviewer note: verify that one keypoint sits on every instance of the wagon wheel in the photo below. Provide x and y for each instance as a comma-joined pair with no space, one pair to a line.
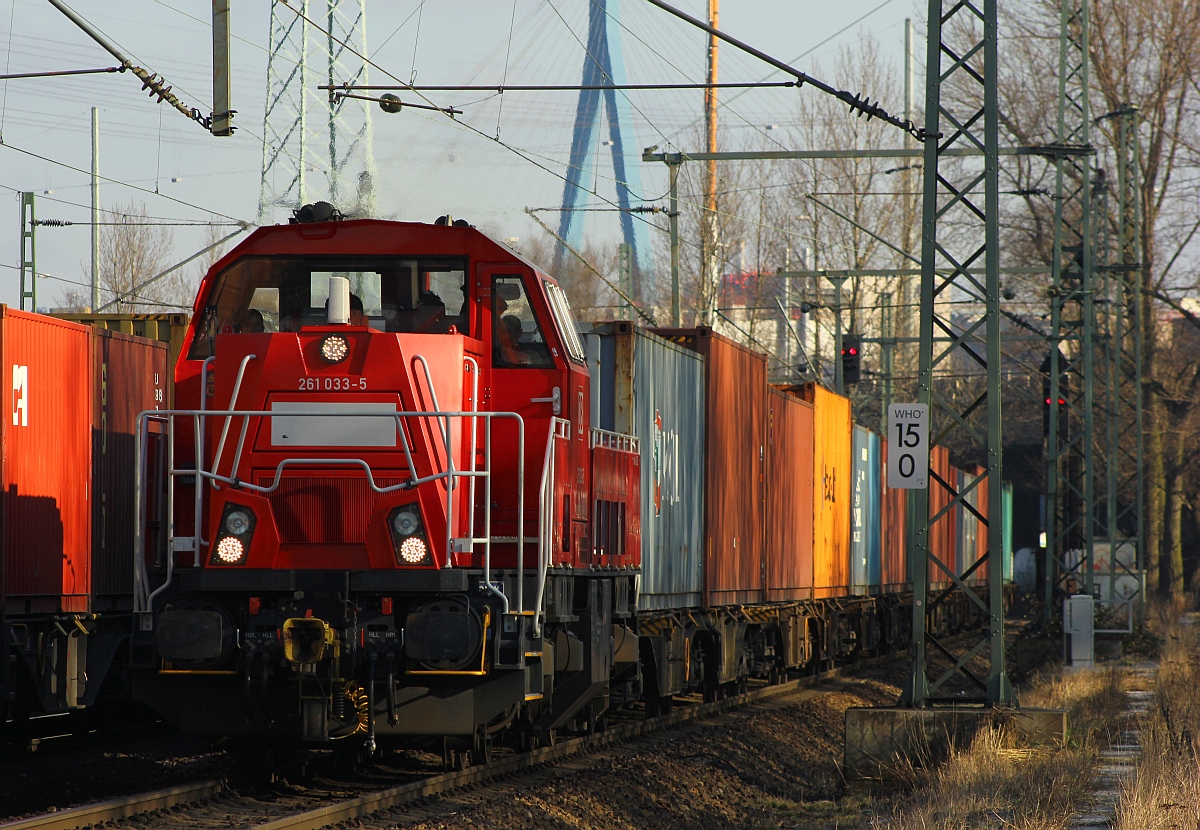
481,751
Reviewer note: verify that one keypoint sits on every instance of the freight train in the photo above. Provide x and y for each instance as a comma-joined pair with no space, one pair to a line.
402,497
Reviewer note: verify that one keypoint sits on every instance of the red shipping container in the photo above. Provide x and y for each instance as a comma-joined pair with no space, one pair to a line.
789,497
46,464
894,574
735,449
832,472
130,375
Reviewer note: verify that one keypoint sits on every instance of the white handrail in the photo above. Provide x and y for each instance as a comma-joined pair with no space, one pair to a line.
144,601
237,390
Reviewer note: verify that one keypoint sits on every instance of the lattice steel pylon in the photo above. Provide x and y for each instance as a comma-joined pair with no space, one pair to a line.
1126,474
603,66
1071,497
316,146
965,198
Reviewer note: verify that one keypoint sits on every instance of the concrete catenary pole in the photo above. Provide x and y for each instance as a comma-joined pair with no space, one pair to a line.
95,301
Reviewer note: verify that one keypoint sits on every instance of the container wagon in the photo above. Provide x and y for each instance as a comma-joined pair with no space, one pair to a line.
66,551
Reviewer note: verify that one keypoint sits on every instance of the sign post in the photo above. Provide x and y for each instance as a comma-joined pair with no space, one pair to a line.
908,446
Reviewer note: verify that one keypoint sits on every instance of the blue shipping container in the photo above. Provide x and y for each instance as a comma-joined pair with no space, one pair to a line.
865,564
646,386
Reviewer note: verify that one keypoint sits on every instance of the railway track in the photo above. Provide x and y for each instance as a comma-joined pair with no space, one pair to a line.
308,808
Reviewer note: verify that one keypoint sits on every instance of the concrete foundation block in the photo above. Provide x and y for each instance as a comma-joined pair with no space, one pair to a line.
876,738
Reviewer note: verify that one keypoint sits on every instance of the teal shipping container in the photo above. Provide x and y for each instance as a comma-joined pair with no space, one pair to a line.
1008,532
646,386
865,503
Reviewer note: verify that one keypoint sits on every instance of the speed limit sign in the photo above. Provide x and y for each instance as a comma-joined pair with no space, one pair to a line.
908,446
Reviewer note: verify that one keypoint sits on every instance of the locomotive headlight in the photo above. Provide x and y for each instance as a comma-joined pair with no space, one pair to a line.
406,523
234,532
334,348
408,535
230,550
413,550
237,522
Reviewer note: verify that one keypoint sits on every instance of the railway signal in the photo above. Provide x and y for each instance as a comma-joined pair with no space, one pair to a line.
851,358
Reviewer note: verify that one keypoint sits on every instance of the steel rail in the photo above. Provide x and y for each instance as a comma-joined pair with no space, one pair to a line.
332,814
118,808
414,791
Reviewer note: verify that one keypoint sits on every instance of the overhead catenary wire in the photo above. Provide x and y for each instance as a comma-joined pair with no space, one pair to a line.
150,80
620,293
860,103
125,184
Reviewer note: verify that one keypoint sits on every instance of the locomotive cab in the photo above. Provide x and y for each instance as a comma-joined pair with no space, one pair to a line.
382,498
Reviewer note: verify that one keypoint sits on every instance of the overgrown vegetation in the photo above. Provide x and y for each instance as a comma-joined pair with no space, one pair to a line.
998,781
1164,792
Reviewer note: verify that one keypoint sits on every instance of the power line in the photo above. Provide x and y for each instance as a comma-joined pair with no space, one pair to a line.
127,184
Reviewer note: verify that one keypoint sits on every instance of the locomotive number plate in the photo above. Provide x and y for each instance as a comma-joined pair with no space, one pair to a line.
331,384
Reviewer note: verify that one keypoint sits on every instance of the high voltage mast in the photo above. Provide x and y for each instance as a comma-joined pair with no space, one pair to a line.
965,198
316,146
1071,503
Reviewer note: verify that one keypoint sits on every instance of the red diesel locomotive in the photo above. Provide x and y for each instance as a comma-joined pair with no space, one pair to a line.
386,513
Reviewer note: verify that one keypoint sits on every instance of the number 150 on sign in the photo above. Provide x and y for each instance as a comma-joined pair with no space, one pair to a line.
908,446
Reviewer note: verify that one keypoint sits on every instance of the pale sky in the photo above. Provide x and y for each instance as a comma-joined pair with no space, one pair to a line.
426,165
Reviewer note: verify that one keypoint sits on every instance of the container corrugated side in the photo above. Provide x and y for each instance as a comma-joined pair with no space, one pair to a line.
130,376
166,328
894,530
789,497
831,491
943,530
47,456
860,506
735,441
874,518
654,389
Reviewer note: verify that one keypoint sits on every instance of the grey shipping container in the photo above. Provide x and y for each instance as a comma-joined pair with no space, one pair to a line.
646,386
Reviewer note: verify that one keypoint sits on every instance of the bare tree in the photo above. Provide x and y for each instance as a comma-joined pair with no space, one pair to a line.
132,250
1144,53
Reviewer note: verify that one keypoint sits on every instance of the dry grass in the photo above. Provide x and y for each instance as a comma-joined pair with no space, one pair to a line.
997,782
1164,792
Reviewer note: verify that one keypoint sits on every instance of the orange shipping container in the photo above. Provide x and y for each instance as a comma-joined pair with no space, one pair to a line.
894,541
789,497
735,448
831,491
943,533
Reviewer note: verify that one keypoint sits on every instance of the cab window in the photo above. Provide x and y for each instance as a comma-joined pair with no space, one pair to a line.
394,294
517,339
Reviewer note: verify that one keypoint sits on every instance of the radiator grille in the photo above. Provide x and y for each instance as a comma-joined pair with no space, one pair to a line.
332,511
